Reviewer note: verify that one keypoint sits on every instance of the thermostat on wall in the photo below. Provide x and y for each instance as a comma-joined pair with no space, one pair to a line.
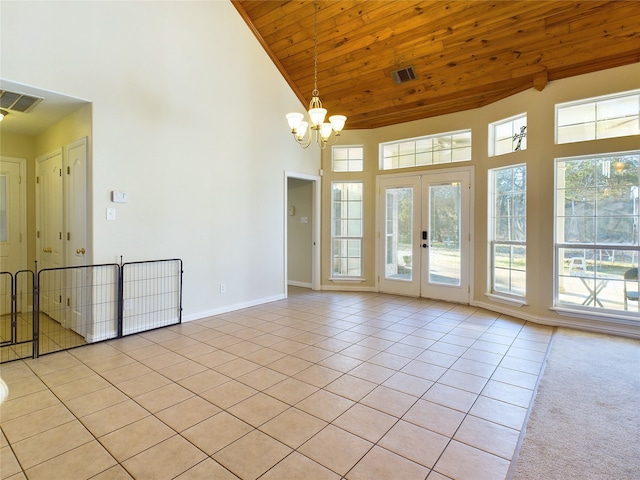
119,197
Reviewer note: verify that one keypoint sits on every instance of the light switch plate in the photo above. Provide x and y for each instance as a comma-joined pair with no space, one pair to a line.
119,197
111,213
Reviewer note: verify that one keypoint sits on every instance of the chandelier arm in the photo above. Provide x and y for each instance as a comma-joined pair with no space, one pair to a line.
305,141
332,140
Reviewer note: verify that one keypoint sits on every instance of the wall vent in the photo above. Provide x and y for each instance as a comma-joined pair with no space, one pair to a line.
403,75
18,102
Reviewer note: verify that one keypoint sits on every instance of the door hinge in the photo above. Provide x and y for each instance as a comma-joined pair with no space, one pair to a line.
20,237
19,179
68,170
378,278
60,172
68,235
37,179
38,234
68,302
60,235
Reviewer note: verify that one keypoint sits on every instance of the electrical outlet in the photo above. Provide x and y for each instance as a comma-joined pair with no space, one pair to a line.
223,288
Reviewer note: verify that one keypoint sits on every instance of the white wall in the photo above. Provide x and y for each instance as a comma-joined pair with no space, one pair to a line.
188,119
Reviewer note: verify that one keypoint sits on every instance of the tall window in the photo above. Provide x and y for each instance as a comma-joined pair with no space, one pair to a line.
595,118
346,229
347,159
508,135
431,150
508,220
597,228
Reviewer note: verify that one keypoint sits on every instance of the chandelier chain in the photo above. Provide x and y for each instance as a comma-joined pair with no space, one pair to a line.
316,129
315,92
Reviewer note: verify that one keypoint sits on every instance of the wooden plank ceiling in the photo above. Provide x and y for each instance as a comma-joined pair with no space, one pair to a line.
465,53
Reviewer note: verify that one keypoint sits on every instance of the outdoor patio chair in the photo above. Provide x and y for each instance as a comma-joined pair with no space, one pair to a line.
631,277
577,263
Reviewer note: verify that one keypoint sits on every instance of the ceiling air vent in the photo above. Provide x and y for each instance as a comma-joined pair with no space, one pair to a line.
403,75
17,102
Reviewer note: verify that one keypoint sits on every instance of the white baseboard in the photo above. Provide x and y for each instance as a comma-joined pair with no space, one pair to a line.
232,308
578,321
294,283
90,338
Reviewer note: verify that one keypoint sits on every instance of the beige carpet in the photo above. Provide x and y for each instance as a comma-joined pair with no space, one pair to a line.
585,421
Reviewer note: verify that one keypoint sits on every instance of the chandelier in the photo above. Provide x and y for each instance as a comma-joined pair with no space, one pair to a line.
316,129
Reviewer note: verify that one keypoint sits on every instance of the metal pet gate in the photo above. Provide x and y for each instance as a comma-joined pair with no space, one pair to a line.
55,309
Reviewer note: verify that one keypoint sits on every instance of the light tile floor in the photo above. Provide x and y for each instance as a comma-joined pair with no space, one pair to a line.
322,385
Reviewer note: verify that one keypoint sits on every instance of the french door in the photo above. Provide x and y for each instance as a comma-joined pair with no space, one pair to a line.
424,235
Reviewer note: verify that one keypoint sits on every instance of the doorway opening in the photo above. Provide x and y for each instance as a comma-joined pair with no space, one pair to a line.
302,231
50,225
53,136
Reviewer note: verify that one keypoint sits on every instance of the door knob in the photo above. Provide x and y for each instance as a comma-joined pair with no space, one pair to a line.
80,251
424,245
47,249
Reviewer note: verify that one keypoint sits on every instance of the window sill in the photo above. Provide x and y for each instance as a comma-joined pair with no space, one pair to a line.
514,302
348,279
630,318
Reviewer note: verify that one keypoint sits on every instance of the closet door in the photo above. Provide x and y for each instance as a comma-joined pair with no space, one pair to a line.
50,243
77,281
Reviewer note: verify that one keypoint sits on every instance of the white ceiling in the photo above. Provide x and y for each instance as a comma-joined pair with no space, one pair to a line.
53,108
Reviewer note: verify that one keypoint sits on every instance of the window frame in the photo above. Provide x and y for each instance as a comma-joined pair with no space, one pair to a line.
348,159
558,247
597,121
493,241
415,140
334,237
510,120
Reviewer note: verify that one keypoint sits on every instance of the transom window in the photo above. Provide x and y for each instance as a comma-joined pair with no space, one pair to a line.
430,150
596,118
508,135
347,159
346,229
508,230
597,228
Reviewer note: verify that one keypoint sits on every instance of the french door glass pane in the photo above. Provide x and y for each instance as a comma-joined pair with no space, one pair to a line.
444,234
399,233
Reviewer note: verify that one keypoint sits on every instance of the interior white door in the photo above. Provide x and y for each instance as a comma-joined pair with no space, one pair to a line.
50,244
424,235
12,223
77,280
